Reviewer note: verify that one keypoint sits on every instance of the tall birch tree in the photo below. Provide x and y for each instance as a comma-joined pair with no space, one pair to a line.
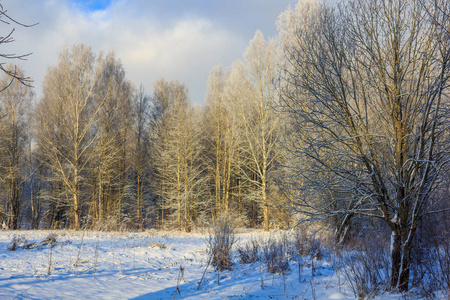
178,156
252,84
68,111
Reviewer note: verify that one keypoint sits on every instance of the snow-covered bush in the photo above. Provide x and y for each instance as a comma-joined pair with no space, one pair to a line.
277,252
50,240
113,223
17,241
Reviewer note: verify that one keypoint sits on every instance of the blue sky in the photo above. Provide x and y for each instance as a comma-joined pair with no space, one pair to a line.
175,39
92,5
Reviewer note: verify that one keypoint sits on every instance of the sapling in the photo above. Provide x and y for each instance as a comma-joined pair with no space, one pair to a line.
50,259
180,277
75,264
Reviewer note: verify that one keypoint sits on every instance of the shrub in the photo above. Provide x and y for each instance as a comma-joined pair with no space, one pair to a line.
306,245
50,240
19,242
367,271
249,253
16,242
220,244
276,256
435,267
157,245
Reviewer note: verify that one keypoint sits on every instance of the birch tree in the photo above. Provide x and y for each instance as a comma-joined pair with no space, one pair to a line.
141,166
221,143
178,156
113,93
67,114
14,104
365,91
13,72
254,96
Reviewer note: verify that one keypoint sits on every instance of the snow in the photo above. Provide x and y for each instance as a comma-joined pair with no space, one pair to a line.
147,265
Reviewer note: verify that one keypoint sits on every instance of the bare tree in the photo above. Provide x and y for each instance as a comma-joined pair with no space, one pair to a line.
14,103
178,156
111,188
141,164
365,90
220,143
254,95
67,114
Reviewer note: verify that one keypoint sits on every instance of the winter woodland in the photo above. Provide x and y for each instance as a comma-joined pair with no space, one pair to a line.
317,167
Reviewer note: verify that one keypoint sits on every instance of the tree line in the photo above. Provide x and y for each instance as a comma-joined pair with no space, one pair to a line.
96,152
340,120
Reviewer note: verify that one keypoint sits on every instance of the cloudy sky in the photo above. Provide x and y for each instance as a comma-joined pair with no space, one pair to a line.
174,39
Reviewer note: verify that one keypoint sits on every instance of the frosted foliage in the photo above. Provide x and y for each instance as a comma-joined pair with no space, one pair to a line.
301,17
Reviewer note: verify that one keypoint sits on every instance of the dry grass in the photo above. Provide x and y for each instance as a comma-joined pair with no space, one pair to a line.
157,245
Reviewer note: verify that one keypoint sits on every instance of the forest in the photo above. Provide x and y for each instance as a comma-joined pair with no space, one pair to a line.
340,123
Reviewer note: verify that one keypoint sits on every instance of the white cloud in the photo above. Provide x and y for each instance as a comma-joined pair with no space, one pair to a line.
152,38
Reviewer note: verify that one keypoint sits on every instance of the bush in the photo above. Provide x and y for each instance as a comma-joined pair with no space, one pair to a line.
249,253
157,245
19,242
435,269
16,242
367,271
306,245
276,256
220,244
113,223
50,240
277,253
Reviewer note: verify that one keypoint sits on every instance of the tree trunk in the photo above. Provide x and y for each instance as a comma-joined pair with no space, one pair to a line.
76,213
15,204
400,262
396,257
405,268
266,207
139,201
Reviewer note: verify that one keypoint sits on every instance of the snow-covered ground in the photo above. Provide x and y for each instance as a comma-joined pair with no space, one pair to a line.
148,265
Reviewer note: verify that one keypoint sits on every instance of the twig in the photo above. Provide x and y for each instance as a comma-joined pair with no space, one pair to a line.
180,276
204,272
75,264
313,291
96,256
50,260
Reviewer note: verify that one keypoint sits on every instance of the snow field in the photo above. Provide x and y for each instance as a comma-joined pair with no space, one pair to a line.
150,265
